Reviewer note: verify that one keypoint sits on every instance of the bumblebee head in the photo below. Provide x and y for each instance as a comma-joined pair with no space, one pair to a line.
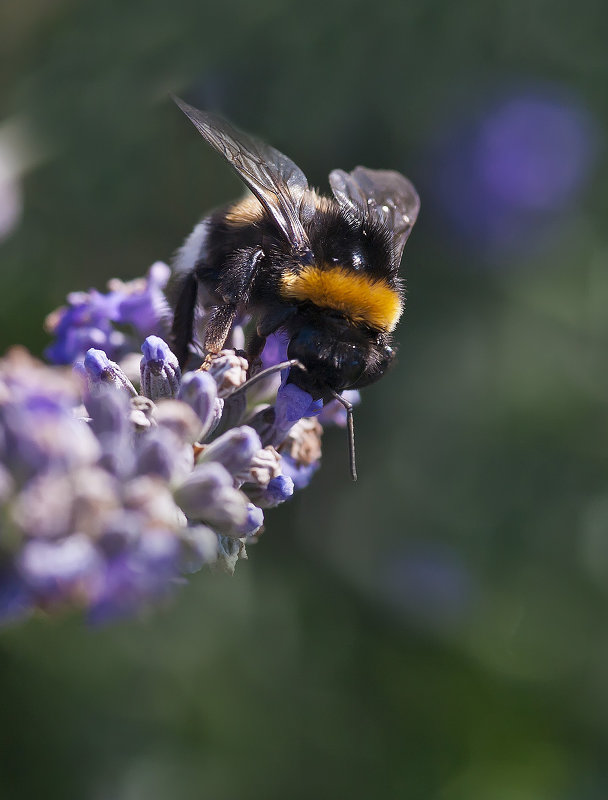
337,359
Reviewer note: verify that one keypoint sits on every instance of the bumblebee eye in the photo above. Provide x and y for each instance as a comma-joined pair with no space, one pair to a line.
352,366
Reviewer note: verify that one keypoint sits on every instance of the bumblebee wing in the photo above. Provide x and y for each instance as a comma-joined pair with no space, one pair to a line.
383,195
274,179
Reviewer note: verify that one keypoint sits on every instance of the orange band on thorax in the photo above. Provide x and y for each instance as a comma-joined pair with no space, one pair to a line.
359,297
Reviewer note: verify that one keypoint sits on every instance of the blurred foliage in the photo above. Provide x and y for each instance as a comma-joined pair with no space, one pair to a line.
438,630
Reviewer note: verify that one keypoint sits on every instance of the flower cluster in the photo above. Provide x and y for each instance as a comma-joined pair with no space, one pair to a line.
91,318
115,484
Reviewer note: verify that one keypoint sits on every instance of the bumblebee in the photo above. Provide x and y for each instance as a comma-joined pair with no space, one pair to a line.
321,270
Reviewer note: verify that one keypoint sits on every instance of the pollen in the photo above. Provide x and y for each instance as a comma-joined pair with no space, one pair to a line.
359,297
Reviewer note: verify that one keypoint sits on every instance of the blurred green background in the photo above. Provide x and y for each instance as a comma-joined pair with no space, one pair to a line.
438,631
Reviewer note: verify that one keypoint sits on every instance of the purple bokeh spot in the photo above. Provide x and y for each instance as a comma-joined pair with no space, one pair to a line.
15,600
503,175
429,583
534,152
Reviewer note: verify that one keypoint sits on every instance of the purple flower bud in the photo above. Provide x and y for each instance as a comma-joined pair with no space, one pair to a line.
87,320
208,495
275,350
59,570
265,465
160,452
141,415
303,442
27,381
229,371
254,521
234,450
159,548
120,531
95,496
103,373
292,404
44,507
199,391
109,413
150,496
39,436
160,372
278,490
178,418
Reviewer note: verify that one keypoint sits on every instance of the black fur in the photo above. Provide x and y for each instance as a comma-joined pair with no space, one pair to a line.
183,319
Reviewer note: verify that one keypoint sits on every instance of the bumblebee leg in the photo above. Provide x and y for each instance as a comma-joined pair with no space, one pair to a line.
238,274
218,327
255,345
183,319
266,326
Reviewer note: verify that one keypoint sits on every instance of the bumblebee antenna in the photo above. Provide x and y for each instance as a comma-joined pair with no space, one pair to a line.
266,373
351,432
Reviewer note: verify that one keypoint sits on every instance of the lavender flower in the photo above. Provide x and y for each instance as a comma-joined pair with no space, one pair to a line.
84,323
89,319
101,373
277,491
234,450
229,371
253,522
61,570
160,372
199,391
111,492
208,495
142,301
